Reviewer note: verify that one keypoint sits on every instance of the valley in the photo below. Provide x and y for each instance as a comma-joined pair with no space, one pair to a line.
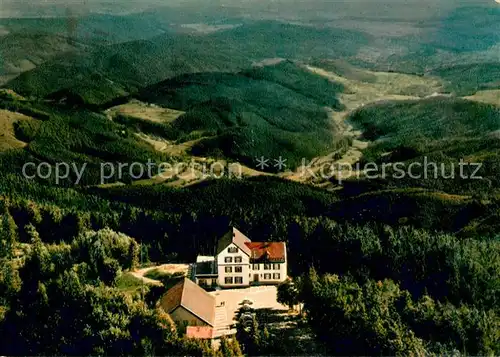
361,88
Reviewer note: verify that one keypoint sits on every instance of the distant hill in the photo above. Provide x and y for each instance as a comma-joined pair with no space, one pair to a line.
422,123
90,28
270,39
458,33
440,130
28,42
108,72
270,111
21,52
129,66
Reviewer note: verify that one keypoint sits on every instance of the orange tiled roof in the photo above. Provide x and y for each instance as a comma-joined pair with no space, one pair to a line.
267,251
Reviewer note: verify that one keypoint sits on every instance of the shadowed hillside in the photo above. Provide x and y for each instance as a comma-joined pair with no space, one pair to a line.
439,130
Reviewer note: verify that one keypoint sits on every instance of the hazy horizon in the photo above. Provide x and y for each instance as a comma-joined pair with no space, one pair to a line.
400,9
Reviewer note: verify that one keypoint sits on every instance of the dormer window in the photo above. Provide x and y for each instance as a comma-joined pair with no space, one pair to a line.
232,250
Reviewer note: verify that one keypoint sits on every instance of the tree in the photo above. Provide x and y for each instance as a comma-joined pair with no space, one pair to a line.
254,340
247,329
353,319
10,282
107,251
56,312
8,235
288,294
230,347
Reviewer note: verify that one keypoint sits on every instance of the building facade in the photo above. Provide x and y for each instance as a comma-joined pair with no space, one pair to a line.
268,262
233,267
205,271
241,262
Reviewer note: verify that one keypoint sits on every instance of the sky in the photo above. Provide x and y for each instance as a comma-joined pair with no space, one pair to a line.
410,9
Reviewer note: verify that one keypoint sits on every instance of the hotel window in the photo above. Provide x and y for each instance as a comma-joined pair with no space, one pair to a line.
228,269
237,259
276,267
228,280
238,280
276,276
267,276
255,267
238,269
267,266
228,260
232,250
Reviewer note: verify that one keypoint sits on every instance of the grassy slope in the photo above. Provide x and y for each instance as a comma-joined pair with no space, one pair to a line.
8,122
487,96
144,111
364,87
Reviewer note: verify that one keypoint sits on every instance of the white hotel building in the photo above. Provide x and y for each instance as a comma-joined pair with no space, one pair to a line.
239,262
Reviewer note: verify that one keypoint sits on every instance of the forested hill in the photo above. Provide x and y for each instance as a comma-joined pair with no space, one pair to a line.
104,72
72,262
269,111
440,131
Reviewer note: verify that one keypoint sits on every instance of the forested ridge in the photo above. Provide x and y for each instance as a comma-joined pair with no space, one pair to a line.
68,253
